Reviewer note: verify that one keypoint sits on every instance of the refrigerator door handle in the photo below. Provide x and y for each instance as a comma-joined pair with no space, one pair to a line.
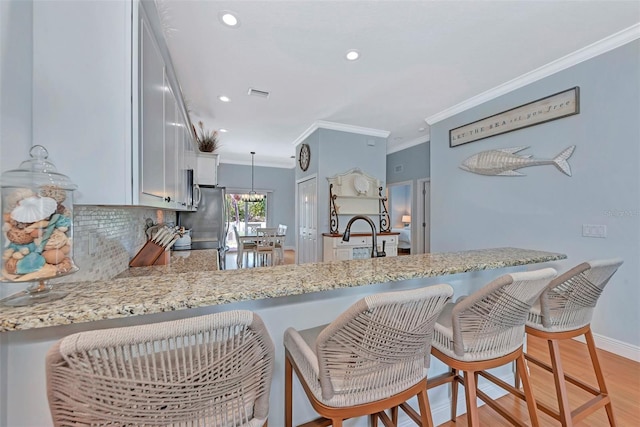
197,195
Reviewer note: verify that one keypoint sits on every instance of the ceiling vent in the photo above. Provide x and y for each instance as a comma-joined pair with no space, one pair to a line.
258,93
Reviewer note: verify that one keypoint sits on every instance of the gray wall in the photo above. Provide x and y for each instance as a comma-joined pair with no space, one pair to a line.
16,65
280,204
340,152
410,164
546,209
335,152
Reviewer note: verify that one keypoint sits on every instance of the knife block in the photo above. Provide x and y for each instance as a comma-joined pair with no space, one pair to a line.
150,254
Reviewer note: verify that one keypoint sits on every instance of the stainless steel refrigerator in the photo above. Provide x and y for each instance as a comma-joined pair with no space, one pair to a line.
208,224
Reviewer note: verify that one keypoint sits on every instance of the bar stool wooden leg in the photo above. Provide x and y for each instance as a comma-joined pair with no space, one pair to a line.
591,345
454,395
521,371
561,386
425,410
470,388
288,393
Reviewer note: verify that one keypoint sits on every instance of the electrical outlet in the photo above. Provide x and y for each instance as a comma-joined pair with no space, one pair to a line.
594,230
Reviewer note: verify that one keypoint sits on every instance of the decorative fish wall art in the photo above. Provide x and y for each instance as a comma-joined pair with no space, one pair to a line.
504,162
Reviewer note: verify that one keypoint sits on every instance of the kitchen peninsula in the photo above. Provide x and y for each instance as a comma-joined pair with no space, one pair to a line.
302,296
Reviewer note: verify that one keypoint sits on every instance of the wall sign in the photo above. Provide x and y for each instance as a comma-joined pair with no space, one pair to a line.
552,107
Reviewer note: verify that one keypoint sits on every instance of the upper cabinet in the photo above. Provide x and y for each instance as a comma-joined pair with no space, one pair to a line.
207,169
107,104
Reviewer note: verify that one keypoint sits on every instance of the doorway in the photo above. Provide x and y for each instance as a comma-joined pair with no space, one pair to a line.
401,202
245,214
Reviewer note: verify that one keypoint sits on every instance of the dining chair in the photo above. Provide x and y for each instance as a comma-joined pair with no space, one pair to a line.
212,370
485,330
282,236
244,248
266,250
370,359
563,312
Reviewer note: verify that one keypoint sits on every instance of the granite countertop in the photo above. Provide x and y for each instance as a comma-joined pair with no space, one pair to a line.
173,289
180,262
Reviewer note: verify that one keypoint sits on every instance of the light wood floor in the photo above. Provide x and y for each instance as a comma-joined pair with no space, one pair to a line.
622,377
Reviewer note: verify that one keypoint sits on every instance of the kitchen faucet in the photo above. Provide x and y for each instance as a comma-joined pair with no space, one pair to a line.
374,249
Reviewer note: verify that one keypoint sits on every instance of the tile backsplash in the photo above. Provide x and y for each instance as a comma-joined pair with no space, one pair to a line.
105,238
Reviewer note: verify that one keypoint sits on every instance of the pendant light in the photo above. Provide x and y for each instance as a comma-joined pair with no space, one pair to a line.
252,196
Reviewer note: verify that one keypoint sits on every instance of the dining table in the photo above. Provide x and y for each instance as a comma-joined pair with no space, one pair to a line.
248,237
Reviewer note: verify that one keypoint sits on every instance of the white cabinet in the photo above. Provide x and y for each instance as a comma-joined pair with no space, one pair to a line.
104,104
162,138
152,125
358,247
207,169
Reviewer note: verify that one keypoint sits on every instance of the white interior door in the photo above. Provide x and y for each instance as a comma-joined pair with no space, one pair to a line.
424,216
307,221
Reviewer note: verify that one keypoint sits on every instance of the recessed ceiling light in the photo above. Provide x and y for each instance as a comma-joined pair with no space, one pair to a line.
421,129
352,55
229,19
223,130
224,98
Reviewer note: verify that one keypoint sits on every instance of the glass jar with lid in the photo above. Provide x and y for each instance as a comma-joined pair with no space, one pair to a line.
37,228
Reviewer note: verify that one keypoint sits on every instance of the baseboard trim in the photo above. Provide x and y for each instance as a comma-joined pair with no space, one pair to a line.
614,346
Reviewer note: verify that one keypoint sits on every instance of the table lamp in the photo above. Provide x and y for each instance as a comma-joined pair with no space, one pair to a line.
406,219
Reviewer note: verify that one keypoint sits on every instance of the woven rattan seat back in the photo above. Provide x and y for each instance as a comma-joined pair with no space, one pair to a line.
212,370
490,322
568,302
381,344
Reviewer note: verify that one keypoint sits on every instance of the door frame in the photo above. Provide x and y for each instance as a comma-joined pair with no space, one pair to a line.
423,211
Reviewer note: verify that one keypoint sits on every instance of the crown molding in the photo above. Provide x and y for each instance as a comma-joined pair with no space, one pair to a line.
598,48
394,148
321,124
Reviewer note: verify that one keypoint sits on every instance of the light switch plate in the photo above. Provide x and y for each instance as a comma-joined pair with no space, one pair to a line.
594,230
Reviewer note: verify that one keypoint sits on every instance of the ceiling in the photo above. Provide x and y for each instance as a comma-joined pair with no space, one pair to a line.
418,58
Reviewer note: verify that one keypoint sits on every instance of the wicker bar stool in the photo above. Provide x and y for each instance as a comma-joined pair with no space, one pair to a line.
212,370
563,312
372,358
485,330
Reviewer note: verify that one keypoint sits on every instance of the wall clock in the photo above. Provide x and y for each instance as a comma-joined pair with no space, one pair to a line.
305,157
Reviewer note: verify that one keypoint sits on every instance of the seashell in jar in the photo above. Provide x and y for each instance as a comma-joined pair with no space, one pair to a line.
66,249
57,240
19,236
30,263
36,225
46,271
56,193
7,253
11,200
54,256
17,255
33,209
10,265
65,266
